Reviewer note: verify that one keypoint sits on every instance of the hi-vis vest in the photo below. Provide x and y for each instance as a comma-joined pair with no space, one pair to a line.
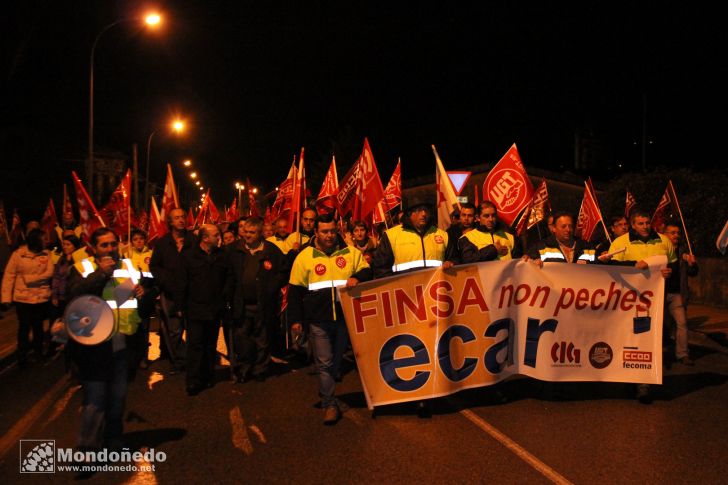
139,259
637,250
482,239
412,251
318,271
280,243
554,254
292,239
126,315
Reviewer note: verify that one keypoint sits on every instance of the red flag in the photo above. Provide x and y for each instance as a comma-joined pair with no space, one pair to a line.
669,208
232,214
157,227
284,197
370,184
298,201
214,214
253,210
117,210
393,190
267,218
67,207
346,197
536,210
326,201
629,204
169,198
508,187
447,201
49,221
190,219
89,218
143,220
589,215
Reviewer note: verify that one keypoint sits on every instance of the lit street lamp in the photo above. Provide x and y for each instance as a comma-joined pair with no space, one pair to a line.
152,20
178,126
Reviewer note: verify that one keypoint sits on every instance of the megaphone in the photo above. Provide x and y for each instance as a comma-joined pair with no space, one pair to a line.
89,320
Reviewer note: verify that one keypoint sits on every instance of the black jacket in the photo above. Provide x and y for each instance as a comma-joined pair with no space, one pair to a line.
166,265
272,275
203,282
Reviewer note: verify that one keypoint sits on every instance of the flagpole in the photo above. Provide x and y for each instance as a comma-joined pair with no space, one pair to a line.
682,221
599,210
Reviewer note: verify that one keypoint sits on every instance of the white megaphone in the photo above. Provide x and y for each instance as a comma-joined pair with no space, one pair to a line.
89,320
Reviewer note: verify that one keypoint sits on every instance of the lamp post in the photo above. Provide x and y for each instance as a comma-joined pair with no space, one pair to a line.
240,188
178,126
152,20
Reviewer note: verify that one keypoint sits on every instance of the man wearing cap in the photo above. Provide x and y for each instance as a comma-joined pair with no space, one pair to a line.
322,266
415,244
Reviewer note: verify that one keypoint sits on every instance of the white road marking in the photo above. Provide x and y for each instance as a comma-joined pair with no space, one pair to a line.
240,437
10,439
519,451
154,377
61,404
256,430
143,477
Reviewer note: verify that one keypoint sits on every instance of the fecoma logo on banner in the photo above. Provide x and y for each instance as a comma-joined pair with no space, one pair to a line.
37,456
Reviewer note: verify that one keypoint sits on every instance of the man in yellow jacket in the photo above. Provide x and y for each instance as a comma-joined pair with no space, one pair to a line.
321,267
640,243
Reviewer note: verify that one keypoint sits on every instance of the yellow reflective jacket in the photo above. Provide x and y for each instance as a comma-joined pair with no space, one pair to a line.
402,248
315,277
127,316
482,238
637,250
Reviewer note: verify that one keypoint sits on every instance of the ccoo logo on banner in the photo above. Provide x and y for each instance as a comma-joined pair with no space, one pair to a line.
432,333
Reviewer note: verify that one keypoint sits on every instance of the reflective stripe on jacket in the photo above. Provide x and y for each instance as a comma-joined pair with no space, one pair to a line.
126,314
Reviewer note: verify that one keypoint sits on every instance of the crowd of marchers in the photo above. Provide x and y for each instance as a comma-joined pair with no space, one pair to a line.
273,293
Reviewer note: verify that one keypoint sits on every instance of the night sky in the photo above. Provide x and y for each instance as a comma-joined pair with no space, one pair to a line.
259,80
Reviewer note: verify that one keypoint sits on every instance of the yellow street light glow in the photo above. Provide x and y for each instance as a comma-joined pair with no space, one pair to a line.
201,187
193,175
153,19
178,126
197,183
237,185
255,190
187,163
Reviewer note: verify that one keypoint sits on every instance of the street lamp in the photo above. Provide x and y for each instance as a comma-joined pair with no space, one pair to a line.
177,126
240,188
152,20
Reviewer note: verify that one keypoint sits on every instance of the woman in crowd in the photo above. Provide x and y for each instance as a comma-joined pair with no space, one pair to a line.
27,284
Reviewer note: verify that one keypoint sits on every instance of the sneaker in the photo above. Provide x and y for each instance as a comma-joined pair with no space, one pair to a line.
331,415
686,361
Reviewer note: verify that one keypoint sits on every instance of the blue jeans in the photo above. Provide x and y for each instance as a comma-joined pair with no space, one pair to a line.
328,340
103,407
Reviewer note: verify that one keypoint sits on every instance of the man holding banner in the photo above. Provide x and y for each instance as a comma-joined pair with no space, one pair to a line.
322,266
489,240
633,248
562,246
417,243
